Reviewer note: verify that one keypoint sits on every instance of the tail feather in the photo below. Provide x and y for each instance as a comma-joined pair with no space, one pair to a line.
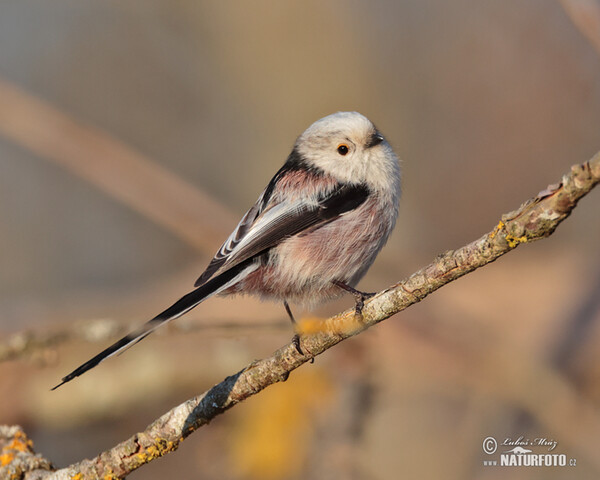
180,307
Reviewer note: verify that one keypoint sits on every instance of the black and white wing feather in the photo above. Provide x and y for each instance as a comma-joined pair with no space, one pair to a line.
232,241
263,228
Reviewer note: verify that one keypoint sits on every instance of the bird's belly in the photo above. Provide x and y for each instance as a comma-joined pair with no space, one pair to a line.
302,267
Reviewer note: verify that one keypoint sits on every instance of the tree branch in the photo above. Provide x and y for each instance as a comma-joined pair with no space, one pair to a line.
535,219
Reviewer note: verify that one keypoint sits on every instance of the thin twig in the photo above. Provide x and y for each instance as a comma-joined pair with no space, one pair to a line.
28,342
534,220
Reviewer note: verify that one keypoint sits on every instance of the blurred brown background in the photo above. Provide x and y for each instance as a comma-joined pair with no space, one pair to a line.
133,135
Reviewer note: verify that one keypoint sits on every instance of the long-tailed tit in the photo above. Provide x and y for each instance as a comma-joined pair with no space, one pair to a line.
313,232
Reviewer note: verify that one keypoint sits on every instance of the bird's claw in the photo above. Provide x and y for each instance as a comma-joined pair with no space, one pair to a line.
296,343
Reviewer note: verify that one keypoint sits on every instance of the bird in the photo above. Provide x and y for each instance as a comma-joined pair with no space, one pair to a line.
313,232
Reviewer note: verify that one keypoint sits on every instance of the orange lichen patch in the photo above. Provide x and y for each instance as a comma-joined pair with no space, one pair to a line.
344,325
78,476
510,239
499,227
19,443
6,458
158,449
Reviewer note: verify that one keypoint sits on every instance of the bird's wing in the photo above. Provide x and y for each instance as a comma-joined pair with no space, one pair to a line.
232,241
266,224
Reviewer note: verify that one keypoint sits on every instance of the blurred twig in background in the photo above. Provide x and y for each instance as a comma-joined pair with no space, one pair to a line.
114,168
585,14
577,331
534,220
28,342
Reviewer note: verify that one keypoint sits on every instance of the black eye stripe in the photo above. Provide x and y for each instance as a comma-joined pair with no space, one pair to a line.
375,139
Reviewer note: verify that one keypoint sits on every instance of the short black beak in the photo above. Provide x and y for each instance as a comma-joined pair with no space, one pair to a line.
375,139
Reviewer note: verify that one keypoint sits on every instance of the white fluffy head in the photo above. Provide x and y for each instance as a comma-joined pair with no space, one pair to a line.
347,146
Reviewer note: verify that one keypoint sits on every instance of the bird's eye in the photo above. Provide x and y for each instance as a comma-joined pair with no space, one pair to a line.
342,149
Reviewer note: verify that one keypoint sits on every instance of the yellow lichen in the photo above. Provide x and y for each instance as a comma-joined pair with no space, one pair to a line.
510,239
20,443
514,241
6,458
499,227
77,476
110,475
160,447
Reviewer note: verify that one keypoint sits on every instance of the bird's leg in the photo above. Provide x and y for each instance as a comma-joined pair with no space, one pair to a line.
296,337
359,297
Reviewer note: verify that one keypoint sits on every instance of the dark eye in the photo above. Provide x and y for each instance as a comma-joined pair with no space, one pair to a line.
342,149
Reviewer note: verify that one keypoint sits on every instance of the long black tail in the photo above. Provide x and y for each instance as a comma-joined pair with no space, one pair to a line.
180,307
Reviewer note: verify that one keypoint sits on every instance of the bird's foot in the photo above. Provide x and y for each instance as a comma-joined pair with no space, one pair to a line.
296,343
296,337
359,298
360,303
